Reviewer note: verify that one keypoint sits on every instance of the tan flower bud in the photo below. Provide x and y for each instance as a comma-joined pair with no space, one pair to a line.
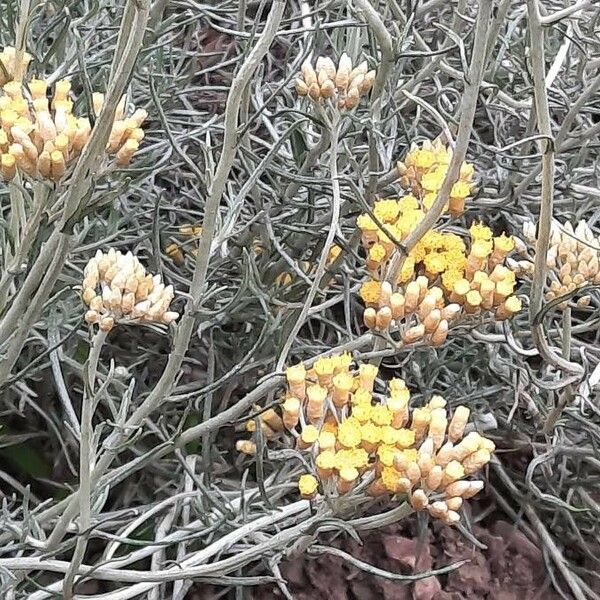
434,477
397,305
383,318
91,316
246,447
414,334
476,461
454,503
458,423
438,337
88,295
438,510
419,500
291,412
370,318
411,297
107,323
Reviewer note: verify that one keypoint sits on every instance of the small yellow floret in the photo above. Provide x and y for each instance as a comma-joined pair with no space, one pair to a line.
308,485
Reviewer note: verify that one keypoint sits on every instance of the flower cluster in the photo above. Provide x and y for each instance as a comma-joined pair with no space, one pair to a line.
359,440
573,259
117,289
343,83
423,172
440,278
41,137
8,58
175,250
355,435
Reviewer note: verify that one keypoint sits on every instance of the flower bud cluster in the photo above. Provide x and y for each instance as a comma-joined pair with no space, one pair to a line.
308,267
8,58
573,259
117,289
344,84
441,278
355,437
176,250
423,172
40,138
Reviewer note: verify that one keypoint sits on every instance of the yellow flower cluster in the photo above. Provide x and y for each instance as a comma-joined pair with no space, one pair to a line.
40,138
355,436
573,259
423,172
126,292
343,83
441,277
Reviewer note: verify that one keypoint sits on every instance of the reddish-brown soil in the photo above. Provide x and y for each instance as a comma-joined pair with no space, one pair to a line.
511,567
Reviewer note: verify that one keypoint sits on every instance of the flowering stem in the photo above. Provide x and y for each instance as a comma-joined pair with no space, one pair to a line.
186,326
469,104
322,264
85,460
542,242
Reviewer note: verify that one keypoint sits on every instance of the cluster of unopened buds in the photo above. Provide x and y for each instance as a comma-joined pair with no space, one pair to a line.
573,259
423,171
308,267
41,137
359,440
176,251
439,281
344,84
117,289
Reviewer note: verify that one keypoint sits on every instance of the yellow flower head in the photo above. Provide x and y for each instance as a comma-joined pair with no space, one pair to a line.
390,477
361,396
432,181
377,252
349,433
380,415
410,454
435,263
408,203
428,199
362,412
326,460
479,231
450,277
408,270
386,210
386,454
504,243
366,223
461,189
370,291
323,366
370,433
389,435
308,485
423,159
405,438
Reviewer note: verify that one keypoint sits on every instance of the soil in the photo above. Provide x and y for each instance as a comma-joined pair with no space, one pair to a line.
511,567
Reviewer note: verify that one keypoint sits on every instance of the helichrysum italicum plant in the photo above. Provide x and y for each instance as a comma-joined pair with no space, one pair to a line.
356,438
344,83
117,289
40,137
573,259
